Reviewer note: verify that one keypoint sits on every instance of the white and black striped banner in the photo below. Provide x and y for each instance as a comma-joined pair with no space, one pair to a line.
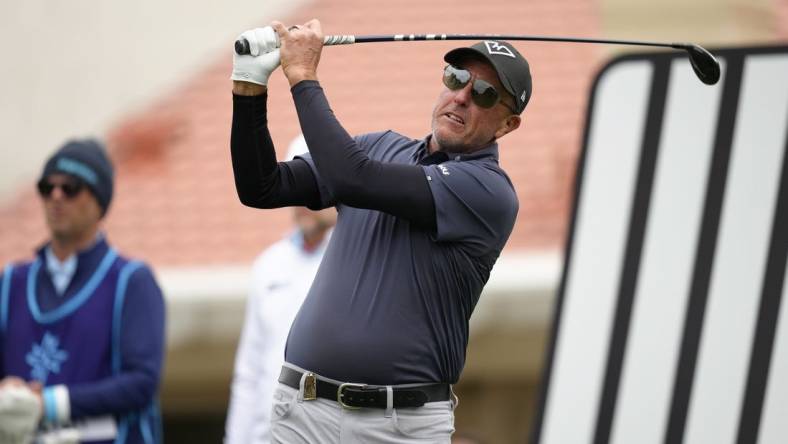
668,321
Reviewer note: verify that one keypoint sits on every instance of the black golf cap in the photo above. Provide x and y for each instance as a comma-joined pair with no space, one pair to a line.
511,66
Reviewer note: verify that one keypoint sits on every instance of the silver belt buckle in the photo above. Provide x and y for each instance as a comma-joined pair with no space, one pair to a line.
310,387
342,387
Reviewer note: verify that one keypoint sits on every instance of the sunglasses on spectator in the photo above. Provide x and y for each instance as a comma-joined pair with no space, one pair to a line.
483,93
70,188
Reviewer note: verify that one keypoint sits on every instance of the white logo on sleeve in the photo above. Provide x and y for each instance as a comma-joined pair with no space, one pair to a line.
444,170
495,48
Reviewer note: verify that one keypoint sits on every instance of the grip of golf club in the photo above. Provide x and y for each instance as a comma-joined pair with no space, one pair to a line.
242,45
331,40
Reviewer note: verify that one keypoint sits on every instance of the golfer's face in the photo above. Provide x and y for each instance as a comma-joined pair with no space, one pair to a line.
69,215
458,123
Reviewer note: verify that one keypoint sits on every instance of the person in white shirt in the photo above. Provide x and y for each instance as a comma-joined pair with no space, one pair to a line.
281,277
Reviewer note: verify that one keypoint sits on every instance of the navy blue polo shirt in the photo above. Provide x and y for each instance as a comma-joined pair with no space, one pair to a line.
391,301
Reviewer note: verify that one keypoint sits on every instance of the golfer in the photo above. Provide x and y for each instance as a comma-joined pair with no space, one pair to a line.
382,334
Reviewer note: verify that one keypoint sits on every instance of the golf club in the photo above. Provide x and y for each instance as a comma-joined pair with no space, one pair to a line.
703,63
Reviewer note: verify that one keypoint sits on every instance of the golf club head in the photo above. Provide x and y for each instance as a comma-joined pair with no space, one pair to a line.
706,67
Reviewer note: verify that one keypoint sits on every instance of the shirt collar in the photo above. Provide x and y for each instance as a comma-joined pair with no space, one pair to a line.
98,242
424,158
61,272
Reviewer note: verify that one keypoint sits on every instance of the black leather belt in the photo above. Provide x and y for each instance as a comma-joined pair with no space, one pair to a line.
351,395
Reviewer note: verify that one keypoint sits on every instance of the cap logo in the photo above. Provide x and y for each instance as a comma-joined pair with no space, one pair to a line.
495,48
522,97
78,169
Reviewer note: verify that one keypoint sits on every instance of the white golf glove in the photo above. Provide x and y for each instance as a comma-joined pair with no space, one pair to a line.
20,412
263,58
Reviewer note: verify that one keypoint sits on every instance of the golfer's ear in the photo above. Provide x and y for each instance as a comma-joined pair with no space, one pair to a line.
511,123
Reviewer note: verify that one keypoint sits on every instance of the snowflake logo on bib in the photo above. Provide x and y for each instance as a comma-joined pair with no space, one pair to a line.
46,358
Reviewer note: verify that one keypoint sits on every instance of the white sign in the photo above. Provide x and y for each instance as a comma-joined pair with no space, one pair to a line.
672,320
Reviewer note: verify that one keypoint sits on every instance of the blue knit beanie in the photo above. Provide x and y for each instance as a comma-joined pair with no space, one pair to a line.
87,161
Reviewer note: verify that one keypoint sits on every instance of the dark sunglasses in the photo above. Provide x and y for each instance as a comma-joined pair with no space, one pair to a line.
69,188
482,93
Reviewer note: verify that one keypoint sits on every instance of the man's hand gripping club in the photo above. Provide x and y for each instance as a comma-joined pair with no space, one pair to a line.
251,72
20,410
297,47
301,48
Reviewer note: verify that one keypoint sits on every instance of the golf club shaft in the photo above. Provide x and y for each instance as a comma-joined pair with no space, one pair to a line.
350,39
703,62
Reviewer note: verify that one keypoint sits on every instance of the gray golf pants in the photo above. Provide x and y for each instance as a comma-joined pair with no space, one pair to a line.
320,421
